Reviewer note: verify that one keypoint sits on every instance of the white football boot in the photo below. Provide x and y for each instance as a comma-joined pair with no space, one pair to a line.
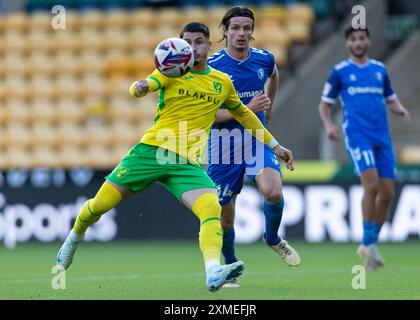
218,275
370,255
68,249
286,252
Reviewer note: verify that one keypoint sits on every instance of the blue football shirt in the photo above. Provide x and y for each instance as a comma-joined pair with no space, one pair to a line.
363,90
249,77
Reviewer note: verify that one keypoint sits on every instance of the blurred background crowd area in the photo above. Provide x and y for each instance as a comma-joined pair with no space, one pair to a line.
64,92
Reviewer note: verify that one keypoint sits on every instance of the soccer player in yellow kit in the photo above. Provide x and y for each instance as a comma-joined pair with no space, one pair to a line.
170,152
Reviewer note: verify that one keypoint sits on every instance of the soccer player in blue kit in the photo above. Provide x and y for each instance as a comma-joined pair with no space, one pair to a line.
251,70
364,88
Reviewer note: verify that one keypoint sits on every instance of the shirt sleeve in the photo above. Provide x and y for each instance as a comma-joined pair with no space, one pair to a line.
388,91
232,100
272,65
332,87
156,81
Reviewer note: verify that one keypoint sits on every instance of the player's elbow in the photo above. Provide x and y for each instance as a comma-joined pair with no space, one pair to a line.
133,91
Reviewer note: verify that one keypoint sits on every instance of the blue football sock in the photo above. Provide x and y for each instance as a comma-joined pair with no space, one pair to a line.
376,230
368,233
273,214
228,248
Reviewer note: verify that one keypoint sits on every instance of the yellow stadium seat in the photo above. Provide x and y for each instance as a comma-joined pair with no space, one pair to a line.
71,134
41,87
118,66
280,53
125,133
99,157
14,86
298,31
16,114
172,17
92,19
67,63
18,22
15,42
410,154
64,42
216,14
198,14
93,84
165,32
271,11
17,135
116,19
276,36
70,156
68,86
91,40
73,21
44,157
114,38
15,64
91,62
40,64
44,134
98,134
17,157
69,110
43,109
40,20
39,41
141,40
145,17
303,13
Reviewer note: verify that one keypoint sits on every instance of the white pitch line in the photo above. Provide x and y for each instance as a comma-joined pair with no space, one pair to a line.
289,272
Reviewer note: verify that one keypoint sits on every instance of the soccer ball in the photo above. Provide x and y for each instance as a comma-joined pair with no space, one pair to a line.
174,57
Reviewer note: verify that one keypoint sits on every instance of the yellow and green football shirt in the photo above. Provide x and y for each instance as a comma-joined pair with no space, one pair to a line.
187,109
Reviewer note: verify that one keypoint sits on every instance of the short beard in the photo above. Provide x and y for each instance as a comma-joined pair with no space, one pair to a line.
359,55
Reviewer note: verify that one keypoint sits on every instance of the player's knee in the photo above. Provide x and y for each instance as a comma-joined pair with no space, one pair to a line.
98,206
272,195
372,188
226,223
105,199
207,206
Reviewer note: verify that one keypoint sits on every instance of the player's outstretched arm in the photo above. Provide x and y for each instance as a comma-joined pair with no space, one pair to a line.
139,88
331,129
153,82
250,121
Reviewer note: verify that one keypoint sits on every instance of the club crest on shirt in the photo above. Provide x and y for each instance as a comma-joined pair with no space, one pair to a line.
352,77
378,76
217,86
121,172
260,73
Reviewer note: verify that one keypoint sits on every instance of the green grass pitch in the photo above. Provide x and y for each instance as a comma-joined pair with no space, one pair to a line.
174,270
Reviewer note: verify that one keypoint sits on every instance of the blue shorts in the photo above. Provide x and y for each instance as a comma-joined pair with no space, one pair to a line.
367,154
229,177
